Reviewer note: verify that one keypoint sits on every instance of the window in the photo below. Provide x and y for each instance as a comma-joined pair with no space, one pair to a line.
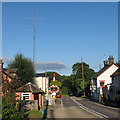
25,96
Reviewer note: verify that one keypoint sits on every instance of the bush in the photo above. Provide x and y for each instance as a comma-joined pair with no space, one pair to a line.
65,90
117,100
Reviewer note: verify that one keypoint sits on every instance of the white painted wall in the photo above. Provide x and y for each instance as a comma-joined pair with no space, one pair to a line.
106,75
42,82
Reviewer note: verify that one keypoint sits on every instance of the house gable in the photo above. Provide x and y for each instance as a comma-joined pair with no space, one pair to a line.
103,70
105,75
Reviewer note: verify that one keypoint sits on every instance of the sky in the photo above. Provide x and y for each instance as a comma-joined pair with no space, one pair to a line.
67,32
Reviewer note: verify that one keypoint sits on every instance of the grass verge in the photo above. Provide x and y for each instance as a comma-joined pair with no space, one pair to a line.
64,95
35,114
83,96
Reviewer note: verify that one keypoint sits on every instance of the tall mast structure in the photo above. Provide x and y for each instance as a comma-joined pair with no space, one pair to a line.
34,37
34,34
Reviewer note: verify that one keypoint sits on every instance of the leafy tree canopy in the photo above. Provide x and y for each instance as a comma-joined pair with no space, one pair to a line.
58,83
25,68
9,112
77,71
76,78
57,76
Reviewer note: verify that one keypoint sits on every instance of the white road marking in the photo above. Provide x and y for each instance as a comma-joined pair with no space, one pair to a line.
89,110
61,103
100,105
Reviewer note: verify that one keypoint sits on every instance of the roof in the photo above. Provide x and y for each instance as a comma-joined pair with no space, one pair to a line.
117,72
102,70
29,87
9,72
3,70
41,75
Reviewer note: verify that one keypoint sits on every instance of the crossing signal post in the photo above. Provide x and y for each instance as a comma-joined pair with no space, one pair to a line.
53,90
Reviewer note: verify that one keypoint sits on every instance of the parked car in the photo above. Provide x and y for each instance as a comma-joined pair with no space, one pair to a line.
58,95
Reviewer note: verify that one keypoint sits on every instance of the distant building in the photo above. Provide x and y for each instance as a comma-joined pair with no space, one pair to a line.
102,78
41,80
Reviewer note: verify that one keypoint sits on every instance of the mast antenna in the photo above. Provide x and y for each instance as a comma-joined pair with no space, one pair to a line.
34,33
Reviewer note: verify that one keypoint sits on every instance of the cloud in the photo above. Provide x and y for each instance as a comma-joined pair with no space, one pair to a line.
50,66
7,59
42,65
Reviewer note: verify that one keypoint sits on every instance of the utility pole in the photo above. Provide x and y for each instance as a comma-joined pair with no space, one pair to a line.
83,76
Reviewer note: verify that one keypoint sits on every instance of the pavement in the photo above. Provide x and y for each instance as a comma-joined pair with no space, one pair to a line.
52,108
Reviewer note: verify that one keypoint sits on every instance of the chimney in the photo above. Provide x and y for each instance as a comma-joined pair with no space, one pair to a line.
1,64
106,63
111,60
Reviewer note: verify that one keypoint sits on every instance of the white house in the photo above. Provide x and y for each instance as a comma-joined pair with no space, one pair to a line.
115,85
41,80
102,78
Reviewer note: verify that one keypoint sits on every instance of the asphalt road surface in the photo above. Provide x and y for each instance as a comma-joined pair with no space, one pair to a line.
98,109
76,107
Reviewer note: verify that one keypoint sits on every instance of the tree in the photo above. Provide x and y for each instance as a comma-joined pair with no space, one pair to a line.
77,81
77,70
57,76
58,83
25,68
9,112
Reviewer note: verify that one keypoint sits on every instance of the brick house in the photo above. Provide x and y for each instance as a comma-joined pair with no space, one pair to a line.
7,75
27,92
30,92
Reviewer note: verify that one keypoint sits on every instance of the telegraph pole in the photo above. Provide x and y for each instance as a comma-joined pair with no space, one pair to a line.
83,76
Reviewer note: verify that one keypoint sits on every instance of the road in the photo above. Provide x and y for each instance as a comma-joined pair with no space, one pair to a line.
96,108
75,107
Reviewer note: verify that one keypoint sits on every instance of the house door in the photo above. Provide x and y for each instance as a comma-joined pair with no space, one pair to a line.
36,96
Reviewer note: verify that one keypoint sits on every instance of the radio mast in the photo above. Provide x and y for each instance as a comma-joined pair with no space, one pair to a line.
34,34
